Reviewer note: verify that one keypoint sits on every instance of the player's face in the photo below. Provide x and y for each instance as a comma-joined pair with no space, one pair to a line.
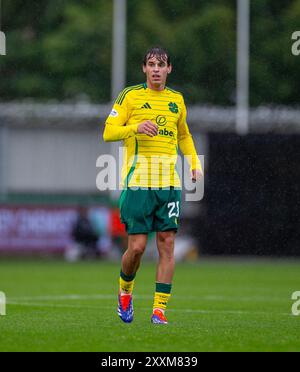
156,71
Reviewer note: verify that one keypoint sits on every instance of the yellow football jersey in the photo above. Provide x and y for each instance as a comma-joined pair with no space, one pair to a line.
151,161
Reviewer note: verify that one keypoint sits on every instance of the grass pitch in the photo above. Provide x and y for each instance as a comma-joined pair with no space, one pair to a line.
216,305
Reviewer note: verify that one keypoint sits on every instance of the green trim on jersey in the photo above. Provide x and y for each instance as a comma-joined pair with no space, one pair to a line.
122,95
130,173
176,167
173,91
166,88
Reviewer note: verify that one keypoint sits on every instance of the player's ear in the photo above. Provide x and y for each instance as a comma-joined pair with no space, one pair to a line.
170,69
144,68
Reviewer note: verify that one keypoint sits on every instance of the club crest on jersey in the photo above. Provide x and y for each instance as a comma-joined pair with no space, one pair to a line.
114,113
173,107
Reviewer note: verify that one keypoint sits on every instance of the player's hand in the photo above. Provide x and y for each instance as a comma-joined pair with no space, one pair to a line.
149,128
196,175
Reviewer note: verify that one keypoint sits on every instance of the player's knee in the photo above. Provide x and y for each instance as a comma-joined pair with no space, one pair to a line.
166,238
137,248
166,245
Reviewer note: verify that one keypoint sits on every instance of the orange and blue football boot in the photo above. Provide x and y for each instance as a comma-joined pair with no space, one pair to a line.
158,317
125,308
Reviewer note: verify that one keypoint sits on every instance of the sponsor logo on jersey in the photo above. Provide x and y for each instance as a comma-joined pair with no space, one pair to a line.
166,132
161,120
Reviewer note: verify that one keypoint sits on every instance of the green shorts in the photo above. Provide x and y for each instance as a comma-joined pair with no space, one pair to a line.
147,210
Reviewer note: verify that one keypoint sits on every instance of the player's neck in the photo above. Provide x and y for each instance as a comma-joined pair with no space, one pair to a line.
156,87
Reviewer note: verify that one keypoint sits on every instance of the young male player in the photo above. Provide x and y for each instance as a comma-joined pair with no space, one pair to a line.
151,120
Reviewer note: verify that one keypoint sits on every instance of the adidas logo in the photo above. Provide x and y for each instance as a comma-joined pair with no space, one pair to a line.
146,106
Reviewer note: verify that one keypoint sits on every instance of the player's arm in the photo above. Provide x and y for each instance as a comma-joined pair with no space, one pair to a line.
115,126
187,147
117,133
116,129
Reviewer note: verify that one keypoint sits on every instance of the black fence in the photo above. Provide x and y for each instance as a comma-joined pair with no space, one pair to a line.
252,196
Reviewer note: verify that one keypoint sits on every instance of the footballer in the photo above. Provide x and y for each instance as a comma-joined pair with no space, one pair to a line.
150,119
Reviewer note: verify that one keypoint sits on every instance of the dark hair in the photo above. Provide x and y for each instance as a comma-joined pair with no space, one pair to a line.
160,53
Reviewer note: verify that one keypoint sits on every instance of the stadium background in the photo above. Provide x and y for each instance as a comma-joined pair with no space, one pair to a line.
56,89
54,100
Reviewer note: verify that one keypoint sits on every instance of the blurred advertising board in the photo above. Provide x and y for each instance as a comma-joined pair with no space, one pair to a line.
49,228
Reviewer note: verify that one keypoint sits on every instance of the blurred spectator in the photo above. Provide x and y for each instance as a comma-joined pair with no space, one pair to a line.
85,239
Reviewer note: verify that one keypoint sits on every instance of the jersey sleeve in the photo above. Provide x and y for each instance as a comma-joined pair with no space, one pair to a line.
115,128
185,141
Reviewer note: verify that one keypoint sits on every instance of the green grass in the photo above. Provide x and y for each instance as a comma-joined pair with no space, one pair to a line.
216,305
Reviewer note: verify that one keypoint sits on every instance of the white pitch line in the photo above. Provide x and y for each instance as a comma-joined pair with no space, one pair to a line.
74,297
199,311
64,297
37,304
